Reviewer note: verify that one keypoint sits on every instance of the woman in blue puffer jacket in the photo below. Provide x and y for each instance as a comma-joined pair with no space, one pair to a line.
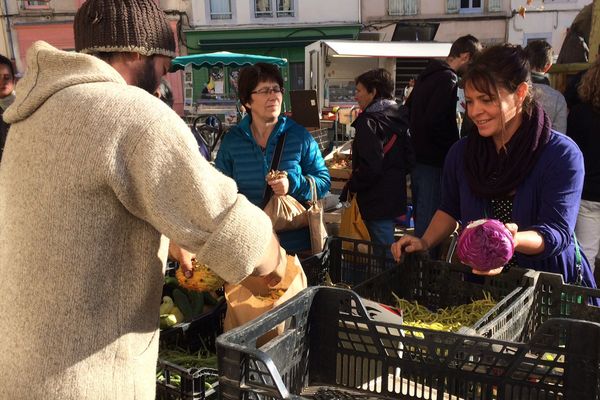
247,149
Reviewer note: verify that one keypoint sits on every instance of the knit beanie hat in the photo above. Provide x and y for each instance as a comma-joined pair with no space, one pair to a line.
136,26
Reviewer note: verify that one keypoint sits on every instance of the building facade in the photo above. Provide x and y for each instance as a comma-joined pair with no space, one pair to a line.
52,21
440,20
278,28
547,20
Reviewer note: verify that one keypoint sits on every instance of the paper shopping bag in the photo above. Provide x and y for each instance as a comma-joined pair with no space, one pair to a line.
352,226
254,298
286,213
318,233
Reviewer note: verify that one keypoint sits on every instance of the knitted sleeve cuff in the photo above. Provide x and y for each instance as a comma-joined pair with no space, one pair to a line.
234,249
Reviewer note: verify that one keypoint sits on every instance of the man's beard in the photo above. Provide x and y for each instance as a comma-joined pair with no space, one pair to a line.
147,78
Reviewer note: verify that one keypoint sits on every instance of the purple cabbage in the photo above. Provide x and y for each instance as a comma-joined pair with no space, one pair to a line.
485,244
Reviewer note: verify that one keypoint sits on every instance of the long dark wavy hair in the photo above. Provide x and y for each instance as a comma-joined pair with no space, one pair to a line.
589,87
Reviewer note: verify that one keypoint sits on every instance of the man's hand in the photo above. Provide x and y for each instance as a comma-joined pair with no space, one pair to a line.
183,257
275,277
408,244
280,186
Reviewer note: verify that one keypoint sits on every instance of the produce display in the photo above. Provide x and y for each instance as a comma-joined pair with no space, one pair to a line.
485,244
183,305
339,161
449,319
203,279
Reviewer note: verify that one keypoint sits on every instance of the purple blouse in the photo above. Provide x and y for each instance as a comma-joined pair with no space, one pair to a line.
547,201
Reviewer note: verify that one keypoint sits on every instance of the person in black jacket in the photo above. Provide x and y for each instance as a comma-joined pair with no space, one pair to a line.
381,155
582,127
433,125
7,95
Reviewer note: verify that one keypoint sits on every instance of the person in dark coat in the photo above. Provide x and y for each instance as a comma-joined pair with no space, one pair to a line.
7,95
571,95
381,155
433,125
583,122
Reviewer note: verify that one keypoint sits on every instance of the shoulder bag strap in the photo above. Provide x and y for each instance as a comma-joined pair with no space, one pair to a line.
313,190
578,263
268,193
389,144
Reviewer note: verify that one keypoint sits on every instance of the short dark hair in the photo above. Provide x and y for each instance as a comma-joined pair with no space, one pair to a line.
252,75
465,44
6,61
539,54
377,79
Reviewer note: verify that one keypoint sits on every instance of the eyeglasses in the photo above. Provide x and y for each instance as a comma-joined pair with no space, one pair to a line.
269,90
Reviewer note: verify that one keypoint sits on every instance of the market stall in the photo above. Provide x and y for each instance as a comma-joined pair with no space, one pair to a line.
332,65
218,95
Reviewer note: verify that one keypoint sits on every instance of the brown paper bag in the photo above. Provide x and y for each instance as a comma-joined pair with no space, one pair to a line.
286,213
318,233
352,226
247,302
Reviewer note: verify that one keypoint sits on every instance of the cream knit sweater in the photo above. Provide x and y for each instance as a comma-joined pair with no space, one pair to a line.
93,172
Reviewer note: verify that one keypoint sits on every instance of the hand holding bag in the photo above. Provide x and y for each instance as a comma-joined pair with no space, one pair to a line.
286,212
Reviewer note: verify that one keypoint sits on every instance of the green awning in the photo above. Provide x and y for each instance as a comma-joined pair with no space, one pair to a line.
223,58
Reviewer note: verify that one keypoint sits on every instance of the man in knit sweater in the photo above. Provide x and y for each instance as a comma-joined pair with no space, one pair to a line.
94,171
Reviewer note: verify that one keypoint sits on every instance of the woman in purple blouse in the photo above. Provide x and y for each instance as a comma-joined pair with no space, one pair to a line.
512,167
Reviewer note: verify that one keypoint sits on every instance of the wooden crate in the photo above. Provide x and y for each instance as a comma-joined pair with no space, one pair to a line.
339,177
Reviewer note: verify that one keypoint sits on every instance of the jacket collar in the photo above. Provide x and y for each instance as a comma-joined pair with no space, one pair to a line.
539,77
245,129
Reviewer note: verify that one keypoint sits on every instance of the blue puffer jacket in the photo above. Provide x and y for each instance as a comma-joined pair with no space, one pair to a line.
241,158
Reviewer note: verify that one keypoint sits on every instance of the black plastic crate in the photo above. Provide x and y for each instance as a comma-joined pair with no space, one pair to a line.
332,348
180,383
347,261
438,284
369,269
315,267
553,298
199,335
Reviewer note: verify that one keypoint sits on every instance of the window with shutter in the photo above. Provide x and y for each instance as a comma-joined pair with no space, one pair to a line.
285,8
396,7
36,5
402,7
220,9
453,6
263,8
495,5
410,7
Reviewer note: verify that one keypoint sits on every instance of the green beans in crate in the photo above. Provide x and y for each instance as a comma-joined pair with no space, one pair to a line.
433,284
